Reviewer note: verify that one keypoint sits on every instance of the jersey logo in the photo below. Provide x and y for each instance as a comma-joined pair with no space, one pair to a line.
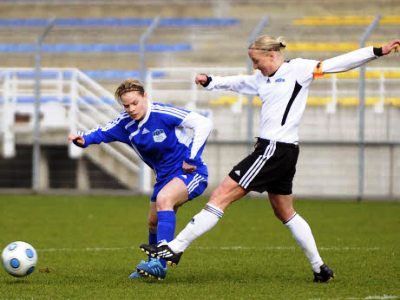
159,135
145,130
280,80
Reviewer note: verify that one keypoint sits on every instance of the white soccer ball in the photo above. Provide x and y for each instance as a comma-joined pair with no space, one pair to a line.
19,259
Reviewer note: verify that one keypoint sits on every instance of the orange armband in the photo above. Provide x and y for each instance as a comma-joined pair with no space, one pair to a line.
317,73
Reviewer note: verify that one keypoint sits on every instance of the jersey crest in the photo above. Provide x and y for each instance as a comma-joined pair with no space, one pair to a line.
159,135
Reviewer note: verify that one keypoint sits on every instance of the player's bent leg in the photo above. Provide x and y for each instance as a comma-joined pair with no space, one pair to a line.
173,194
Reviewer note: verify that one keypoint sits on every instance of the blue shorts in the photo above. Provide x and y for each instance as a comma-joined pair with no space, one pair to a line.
196,183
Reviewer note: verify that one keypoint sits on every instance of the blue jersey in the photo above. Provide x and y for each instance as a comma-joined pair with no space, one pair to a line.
165,138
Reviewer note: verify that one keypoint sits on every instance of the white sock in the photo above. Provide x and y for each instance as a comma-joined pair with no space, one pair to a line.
301,232
206,219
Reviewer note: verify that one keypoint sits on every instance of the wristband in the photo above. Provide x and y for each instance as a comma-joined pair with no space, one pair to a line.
378,51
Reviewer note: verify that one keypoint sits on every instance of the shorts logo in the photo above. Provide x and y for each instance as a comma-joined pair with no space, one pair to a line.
237,172
159,135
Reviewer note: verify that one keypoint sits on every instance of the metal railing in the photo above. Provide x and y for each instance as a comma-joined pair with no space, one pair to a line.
69,101
177,86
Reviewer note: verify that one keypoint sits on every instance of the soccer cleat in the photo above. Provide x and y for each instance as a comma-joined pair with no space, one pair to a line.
162,250
136,274
324,275
152,269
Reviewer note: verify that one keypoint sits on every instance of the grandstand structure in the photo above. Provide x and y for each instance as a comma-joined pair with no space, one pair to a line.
95,44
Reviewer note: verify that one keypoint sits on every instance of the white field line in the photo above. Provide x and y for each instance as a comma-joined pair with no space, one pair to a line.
94,249
374,297
230,248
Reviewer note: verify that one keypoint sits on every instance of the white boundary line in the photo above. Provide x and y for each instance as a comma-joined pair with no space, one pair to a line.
223,248
372,297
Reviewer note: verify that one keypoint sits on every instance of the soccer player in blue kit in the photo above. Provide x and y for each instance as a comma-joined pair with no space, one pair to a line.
170,141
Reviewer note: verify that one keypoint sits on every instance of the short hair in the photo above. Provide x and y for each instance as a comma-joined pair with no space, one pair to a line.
268,43
128,85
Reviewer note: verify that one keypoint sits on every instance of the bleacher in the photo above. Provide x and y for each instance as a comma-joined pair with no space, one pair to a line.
101,39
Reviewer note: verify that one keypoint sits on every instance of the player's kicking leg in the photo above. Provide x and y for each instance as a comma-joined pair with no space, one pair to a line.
225,194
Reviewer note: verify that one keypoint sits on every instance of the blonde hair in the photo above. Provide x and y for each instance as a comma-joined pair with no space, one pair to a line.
128,85
268,43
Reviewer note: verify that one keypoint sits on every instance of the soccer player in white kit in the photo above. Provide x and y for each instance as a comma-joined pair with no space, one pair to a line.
170,141
283,89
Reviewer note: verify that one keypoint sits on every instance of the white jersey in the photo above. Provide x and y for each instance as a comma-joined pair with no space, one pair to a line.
284,94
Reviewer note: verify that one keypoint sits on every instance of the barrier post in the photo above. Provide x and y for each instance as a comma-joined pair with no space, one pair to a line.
361,113
36,116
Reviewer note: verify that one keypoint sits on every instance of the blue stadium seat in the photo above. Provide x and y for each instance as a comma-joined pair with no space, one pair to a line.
175,22
87,48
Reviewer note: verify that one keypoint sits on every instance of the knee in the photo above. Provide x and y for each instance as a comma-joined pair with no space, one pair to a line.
164,202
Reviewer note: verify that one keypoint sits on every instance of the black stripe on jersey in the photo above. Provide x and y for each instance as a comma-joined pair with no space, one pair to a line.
296,90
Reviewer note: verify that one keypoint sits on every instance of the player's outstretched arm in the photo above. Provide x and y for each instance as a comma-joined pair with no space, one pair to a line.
356,58
389,47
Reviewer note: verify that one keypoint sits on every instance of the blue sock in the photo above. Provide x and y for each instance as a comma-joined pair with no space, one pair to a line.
165,227
152,239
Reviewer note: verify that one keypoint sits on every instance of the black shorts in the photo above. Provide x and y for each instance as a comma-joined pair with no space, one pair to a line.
271,167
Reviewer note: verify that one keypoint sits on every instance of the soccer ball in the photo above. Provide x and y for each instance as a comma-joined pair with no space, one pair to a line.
19,259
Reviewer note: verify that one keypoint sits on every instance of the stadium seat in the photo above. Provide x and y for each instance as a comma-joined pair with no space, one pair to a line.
312,101
344,20
85,48
175,22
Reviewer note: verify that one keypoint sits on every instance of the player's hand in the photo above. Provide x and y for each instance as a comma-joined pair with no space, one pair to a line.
201,79
188,168
76,139
389,47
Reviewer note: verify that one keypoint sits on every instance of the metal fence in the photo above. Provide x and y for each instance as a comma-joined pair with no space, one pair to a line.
329,160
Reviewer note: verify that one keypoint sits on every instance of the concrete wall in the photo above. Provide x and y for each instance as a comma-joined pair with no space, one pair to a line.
324,171
329,153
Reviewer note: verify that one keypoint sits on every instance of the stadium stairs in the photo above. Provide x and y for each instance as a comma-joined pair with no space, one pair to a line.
70,101
210,47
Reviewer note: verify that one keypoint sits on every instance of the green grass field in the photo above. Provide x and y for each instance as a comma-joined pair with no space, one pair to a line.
89,245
